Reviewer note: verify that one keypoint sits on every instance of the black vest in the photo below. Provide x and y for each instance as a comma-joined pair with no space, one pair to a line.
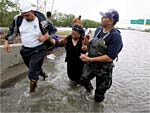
73,52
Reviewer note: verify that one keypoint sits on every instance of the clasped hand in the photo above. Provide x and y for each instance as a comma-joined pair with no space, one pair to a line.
84,58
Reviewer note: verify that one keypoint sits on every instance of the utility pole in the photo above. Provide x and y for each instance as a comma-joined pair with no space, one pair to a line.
42,5
52,6
37,5
45,6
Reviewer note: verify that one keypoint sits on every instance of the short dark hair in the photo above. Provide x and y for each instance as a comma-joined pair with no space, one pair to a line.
48,14
79,29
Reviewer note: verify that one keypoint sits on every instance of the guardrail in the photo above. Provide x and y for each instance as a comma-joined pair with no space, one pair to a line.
10,59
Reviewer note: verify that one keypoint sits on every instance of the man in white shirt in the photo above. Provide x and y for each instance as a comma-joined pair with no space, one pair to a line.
33,36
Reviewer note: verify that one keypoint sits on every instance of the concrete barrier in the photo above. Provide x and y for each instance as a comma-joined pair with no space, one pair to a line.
10,59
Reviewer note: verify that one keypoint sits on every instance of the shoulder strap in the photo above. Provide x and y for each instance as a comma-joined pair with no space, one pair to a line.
100,29
98,32
106,35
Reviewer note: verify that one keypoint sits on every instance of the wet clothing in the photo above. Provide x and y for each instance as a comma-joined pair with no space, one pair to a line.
74,63
102,44
33,58
33,51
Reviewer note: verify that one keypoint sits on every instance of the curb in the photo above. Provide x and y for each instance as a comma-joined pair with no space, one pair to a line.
12,74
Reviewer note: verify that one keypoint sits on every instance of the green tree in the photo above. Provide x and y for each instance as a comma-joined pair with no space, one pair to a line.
90,23
63,20
8,10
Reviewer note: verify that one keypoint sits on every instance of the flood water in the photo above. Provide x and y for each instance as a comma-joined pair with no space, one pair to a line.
129,93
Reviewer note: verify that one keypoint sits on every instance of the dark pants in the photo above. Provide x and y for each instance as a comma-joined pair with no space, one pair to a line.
103,74
33,58
74,70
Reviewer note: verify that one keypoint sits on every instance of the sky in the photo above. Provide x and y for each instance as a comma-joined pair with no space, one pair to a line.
90,9
128,9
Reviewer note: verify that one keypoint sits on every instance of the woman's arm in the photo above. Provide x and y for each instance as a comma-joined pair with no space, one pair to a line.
59,43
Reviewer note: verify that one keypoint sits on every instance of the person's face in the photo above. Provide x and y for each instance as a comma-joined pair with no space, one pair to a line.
106,22
75,35
29,16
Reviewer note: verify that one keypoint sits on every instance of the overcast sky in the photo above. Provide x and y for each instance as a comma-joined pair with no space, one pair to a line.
89,9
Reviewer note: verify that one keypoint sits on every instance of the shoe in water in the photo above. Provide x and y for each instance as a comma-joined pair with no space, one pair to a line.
44,75
99,99
33,85
89,87
51,56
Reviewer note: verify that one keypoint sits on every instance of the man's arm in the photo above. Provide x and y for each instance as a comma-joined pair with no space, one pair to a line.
51,39
6,46
10,31
103,58
9,36
114,48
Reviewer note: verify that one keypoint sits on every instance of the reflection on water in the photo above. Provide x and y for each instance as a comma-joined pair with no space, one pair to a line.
129,92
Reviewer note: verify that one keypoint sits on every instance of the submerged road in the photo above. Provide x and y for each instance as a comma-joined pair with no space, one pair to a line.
130,91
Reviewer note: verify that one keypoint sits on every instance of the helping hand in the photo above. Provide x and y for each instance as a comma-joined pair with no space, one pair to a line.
84,58
84,47
7,47
43,38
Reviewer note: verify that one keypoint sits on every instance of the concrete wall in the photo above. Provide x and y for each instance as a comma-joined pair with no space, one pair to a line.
10,59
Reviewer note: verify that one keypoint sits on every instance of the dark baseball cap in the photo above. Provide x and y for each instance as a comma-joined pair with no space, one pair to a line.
111,13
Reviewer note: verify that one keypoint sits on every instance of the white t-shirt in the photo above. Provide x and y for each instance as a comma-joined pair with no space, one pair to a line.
30,32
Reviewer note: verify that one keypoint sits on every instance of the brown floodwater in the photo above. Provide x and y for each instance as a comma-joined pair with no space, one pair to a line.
129,93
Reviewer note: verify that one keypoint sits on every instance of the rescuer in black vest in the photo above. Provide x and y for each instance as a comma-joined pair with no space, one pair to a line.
102,50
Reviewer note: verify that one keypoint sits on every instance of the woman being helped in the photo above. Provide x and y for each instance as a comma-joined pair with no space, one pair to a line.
74,46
